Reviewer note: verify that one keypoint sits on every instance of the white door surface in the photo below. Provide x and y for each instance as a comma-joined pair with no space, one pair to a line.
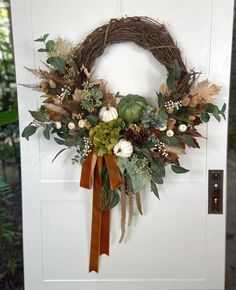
176,244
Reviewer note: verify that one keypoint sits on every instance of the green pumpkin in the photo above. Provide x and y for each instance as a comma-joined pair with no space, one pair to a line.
130,108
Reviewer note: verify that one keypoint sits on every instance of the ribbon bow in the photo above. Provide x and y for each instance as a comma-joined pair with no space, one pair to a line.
91,175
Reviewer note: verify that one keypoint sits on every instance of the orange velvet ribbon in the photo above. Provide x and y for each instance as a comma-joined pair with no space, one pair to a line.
100,233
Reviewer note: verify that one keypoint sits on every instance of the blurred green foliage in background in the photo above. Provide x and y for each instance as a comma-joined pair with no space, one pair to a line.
11,260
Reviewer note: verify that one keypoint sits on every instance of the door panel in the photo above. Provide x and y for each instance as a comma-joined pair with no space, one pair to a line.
176,244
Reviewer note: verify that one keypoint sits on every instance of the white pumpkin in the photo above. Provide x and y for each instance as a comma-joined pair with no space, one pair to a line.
58,125
163,128
170,133
71,125
123,149
108,113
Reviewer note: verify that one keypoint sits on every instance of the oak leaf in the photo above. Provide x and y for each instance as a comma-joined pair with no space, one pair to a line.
206,91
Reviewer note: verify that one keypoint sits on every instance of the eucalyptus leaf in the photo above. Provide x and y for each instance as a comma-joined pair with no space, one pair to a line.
138,182
205,117
179,169
58,62
121,162
223,108
59,141
46,132
42,38
217,117
50,45
28,131
39,116
154,189
158,168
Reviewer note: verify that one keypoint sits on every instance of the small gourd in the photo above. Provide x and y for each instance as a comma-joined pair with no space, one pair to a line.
123,149
108,113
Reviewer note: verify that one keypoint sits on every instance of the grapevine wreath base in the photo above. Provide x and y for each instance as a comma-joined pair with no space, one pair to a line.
122,142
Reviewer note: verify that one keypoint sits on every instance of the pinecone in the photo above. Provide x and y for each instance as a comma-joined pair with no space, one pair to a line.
136,135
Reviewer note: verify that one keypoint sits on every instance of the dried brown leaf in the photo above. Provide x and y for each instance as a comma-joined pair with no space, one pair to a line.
206,91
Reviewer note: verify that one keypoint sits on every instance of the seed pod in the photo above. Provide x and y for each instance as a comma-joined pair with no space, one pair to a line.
170,110
185,101
52,84
191,117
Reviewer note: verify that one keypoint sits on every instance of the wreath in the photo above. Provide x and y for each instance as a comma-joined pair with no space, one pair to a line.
122,142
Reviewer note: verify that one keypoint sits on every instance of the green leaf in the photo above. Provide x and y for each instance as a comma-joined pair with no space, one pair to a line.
179,169
177,70
46,132
121,162
157,179
217,117
158,168
50,45
59,141
114,199
62,150
172,141
28,131
205,117
9,116
183,119
146,153
42,38
170,81
39,116
93,119
161,101
154,189
223,108
42,50
58,62
188,140
174,75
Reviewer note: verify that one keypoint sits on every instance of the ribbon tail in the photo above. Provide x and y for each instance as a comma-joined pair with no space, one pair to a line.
96,218
87,171
113,171
105,233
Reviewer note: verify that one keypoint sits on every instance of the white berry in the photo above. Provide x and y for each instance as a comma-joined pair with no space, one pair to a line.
82,123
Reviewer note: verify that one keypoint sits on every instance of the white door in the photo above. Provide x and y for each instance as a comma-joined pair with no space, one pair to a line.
176,244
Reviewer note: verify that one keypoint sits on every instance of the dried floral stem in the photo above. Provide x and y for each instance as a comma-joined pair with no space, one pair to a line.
131,208
123,210
138,203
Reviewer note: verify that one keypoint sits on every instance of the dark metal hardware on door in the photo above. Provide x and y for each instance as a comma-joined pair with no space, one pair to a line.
215,191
